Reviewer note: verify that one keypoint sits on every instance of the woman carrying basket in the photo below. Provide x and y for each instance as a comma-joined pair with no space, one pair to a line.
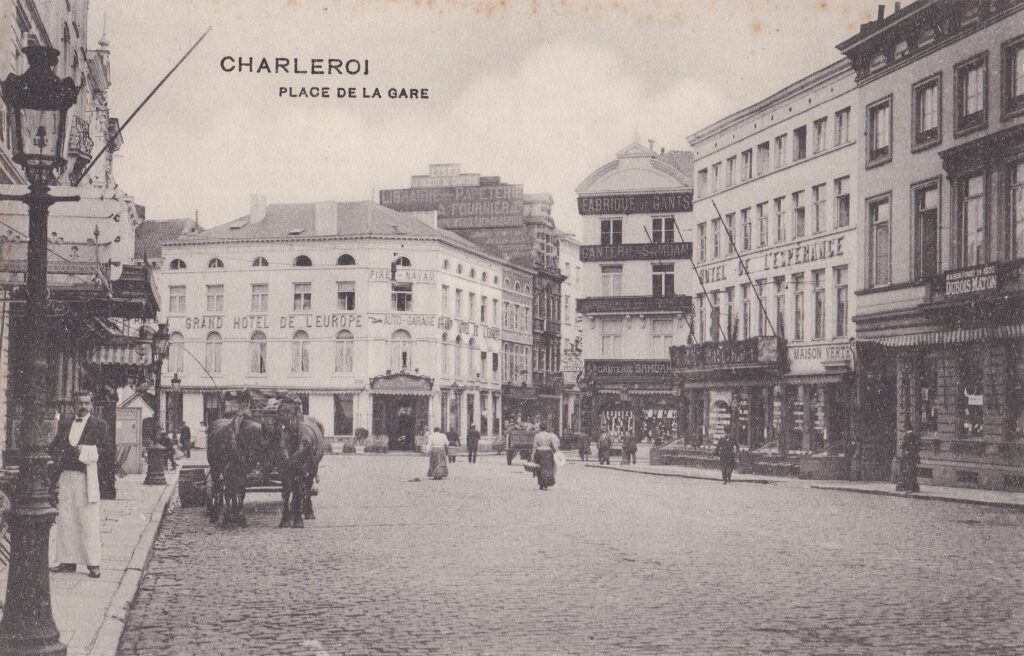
545,445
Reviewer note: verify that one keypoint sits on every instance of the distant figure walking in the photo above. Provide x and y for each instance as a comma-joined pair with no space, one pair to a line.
584,446
727,450
604,448
472,442
437,450
629,448
186,440
910,457
454,443
167,443
545,445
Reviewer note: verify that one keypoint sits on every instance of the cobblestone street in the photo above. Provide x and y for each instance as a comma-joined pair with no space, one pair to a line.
605,562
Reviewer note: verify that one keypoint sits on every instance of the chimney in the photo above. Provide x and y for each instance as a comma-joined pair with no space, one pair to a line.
257,208
881,12
325,218
897,9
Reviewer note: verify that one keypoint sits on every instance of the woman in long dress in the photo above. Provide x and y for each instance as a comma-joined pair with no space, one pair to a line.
436,447
545,445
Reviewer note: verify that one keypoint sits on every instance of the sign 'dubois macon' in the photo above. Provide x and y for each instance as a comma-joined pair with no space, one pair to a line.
968,282
670,202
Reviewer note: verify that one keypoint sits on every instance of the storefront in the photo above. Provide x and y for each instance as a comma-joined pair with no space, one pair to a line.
401,408
630,397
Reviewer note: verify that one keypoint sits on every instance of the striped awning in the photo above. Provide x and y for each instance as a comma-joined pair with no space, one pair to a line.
140,354
957,336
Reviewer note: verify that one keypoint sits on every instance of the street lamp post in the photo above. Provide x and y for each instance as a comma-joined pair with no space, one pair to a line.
155,452
39,102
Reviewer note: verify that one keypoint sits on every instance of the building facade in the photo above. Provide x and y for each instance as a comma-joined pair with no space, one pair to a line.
633,211
572,331
376,319
941,87
775,249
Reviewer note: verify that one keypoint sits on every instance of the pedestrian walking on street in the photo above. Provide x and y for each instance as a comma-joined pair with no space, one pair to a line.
75,454
453,443
727,450
910,457
437,450
168,444
545,445
584,446
472,442
186,440
629,448
604,448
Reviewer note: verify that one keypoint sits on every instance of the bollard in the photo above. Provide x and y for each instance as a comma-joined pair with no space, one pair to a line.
156,457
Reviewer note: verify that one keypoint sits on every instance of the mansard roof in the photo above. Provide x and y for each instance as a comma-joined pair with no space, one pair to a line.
635,169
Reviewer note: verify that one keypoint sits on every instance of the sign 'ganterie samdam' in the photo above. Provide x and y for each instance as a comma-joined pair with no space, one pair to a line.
461,207
976,280
675,201
680,250
622,370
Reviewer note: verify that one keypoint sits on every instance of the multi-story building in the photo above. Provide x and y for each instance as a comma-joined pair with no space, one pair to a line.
941,94
377,319
572,331
632,254
775,250
547,306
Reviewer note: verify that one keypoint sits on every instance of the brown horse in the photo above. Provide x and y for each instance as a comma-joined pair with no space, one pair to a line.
302,447
235,447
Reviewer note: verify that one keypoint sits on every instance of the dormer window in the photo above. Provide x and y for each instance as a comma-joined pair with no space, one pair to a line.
346,260
302,261
260,262
177,264
215,263
403,261
878,61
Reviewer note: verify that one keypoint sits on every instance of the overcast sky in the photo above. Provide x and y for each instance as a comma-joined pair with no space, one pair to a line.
538,93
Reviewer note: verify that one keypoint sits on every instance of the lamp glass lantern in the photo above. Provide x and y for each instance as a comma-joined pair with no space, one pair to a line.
39,101
161,342
175,383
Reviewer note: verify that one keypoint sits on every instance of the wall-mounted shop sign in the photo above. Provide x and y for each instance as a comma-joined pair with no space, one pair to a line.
403,275
676,201
778,258
819,358
680,250
627,371
637,304
482,206
755,351
971,282
401,383
468,328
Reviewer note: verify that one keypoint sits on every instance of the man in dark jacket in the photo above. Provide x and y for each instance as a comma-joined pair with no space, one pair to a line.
727,450
167,443
472,442
453,440
186,440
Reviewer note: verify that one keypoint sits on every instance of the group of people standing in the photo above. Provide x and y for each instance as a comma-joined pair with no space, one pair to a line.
604,448
442,448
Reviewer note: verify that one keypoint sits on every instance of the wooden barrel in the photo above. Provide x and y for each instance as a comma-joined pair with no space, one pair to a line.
192,486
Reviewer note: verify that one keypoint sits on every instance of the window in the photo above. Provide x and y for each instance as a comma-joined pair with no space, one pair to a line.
745,310
748,228
346,295
926,37
458,303
926,230
702,182
1016,198
928,393
215,298
213,353
714,318
401,297
716,229
661,338
458,356
715,180
215,263
780,151
302,296
258,353
494,309
730,230
176,300
730,172
799,143
971,393
820,134
901,50
346,260
700,318
483,309
798,215
404,262
878,256
1013,77
729,308
663,278
971,105
763,158
471,306
177,264
841,208
746,165
260,298
780,219
842,127
611,232
260,262
971,220
401,351
343,353
879,131
878,61
302,261
762,224
663,229
927,112
611,338
762,302
798,307
702,242
818,197
176,354
611,280
842,300
780,306
300,352
818,278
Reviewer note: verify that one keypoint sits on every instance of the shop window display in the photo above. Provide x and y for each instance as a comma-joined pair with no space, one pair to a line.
928,390
971,395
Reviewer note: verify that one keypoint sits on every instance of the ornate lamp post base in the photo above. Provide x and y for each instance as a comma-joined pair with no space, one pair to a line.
156,458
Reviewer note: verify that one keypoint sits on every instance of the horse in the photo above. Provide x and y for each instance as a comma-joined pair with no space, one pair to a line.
302,446
234,448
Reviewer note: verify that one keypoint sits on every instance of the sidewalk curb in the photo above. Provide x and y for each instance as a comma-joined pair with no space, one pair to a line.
759,481
109,635
1019,507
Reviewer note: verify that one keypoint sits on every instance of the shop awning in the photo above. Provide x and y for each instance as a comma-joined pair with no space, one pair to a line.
956,336
122,354
411,391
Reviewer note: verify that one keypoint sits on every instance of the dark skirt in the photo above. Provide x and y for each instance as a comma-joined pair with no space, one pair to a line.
438,462
546,474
